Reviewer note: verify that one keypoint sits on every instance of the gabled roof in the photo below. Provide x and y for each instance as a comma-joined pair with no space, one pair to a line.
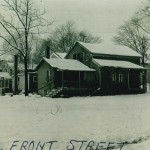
108,49
117,64
58,55
67,64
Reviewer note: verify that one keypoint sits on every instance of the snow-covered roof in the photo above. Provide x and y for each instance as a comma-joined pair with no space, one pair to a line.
67,64
58,55
109,49
6,75
117,64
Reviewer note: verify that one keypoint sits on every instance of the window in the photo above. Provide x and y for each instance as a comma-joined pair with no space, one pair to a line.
34,78
48,75
117,77
74,56
114,77
78,56
6,83
141,77
121,78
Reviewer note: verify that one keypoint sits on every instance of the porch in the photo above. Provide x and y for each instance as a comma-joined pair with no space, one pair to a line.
121,77
70,77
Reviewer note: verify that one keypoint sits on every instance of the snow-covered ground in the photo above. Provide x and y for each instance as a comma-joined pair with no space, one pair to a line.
124,118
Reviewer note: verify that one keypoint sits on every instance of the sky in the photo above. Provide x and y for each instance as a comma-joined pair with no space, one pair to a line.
99,17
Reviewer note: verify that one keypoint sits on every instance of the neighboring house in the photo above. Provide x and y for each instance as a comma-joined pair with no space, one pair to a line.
118,67
58,55
8,67
92,69
32,79
5,83
5,77
147,64
148,73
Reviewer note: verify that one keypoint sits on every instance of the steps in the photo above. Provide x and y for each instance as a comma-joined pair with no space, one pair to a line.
55,93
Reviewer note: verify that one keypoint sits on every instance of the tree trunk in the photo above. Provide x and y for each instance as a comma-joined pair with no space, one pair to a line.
26,75
16,74
26,60
144,72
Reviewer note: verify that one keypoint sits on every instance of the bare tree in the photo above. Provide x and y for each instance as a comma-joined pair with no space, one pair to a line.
22,22
63,38
132,36
142,17
87,37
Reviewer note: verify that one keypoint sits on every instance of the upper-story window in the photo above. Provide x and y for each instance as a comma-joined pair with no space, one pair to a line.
78,56
74,56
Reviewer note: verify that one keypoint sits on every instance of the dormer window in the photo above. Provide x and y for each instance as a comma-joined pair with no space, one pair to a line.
74,56
78,56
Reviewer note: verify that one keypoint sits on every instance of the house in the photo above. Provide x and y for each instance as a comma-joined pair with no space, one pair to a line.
5,83
118,67
92,69
147,65
5,77
7,67
32,79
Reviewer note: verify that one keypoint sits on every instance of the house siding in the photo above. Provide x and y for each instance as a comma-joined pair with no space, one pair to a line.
42,78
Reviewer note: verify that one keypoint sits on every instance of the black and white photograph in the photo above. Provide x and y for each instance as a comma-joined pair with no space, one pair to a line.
74,74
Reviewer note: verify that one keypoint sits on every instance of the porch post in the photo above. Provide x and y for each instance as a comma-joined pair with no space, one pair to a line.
79,83
3,86
99,77
144,78
62,79
128,80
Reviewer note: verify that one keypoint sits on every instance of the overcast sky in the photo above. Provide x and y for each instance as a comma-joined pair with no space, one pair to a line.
101,17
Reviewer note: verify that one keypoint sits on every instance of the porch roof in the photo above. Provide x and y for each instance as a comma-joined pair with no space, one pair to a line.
5,75
117,64
67,64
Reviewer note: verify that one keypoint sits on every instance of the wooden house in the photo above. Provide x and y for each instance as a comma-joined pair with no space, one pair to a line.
32,79
5,77
7,67
118,67
92,69
5,83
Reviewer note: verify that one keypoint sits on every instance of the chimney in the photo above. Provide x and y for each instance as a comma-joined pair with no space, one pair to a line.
47,52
